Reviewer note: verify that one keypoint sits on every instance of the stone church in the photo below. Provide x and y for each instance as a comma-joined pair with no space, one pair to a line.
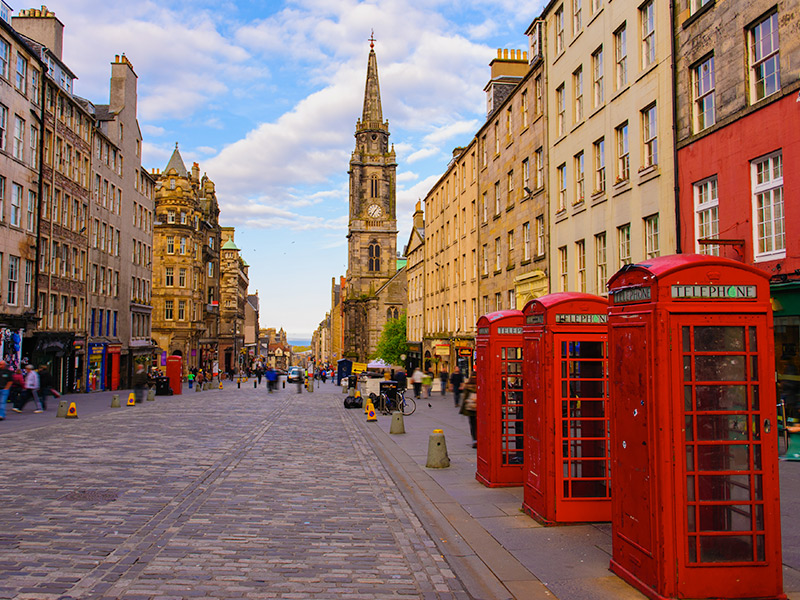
375,288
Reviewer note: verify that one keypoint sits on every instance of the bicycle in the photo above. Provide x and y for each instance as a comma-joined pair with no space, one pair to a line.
407,406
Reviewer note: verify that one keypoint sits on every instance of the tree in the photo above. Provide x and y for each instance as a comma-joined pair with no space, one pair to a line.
393,341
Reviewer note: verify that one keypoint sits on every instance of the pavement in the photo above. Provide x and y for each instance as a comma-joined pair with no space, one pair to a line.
241,494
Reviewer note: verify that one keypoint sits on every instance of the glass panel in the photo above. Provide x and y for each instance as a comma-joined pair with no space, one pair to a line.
753,340
718,339
760,548
502,353
692,549
586,389
719,368
564,371
690,519
690,458
755,427
590,488
756,457
586,349
725,517
687,397
689,429
728,548
758,490
722,427
721,397
687,368
582,369
563,349
690,488
753,368
723,488
723,457
758,509
687,340
756,400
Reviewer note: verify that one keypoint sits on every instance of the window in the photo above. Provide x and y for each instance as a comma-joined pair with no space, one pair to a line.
5,56
562,187
526,241
485,259
703,86
181,310
211,242
183,245
524,106
596,5
538,90
706,215
767,183
695,5
26,297
168,304
170,215
579,178
510,186
621,57
21,80
30,215
496,198
580,261
623,158
210,269
374,252
601,261
624,244
559,25
562,269
169,278
526,176
183,217
3,126
561,108
510,239
597,77
651,247
34,147
485,152
540,235
18,144
650,136
599,165
577,23
765,77
512,300
497,254
538,157
170,244
182,277
577,83
485,208
16,204
508,125
13,279
647,15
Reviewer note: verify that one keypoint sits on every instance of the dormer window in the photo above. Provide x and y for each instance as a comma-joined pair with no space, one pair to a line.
172,184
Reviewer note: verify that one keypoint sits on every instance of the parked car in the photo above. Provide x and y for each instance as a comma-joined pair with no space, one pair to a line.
296,374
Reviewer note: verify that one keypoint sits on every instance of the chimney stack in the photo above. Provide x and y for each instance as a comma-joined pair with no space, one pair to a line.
43,27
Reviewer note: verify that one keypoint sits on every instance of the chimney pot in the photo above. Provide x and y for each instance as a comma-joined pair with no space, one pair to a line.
505,52
499,53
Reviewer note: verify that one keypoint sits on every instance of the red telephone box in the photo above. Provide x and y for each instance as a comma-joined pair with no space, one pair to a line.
501,439
694,490
175,373
567,477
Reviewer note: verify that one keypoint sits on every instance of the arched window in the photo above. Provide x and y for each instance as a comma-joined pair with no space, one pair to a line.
373,186
392,313
374,256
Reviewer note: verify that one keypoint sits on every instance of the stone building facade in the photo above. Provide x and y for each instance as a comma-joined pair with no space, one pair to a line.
415,276
376,289
186,241
234,280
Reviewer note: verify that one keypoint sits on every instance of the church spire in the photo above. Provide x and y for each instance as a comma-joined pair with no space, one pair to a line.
373,115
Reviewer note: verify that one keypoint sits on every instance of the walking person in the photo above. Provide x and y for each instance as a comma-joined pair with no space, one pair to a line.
416,381
443,377
469,408
457,382
17,387
5,386
45,386
140,380
427,383
30,391
272,379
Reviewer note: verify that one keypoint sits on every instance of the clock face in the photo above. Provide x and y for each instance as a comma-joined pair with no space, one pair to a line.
374,211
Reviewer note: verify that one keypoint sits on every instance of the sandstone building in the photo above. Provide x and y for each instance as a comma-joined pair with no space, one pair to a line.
376,289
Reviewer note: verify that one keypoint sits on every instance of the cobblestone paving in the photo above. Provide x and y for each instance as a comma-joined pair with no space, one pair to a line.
222,494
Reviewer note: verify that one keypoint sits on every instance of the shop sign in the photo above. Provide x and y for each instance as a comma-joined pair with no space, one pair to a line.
534,319
114,349
95,349
631,294
582,318
442,350
716,292
194,352
464,351
509,330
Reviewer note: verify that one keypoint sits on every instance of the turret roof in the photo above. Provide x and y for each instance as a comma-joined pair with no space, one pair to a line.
176,162
229,245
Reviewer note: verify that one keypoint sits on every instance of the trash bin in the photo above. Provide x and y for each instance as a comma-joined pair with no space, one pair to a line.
352,381
162,386
390,389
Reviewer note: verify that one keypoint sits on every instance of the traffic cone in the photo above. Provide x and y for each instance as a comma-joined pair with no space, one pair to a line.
131,399
371,413
220,384
115,401
72,411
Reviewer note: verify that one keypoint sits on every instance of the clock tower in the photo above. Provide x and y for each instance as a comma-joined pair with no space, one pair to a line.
372,275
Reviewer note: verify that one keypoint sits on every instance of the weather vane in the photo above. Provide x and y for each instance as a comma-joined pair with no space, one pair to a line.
372,40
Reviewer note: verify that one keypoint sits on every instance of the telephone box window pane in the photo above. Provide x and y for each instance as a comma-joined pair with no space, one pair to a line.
756,402
728,548
586,389
687,339
581,369
719,457
690,519
722,427
725,517
753,368
586,349
721,397
502,354
757,457
723,488
760,548
687,397
690,488
753,340
758,510
755,427
689,429
687,368
758,489
719,368
692,549
718,339
588,488
690,458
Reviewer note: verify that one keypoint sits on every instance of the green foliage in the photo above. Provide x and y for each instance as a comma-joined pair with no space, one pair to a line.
393,341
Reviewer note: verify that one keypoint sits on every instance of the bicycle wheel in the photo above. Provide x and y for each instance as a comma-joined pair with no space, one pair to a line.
409,406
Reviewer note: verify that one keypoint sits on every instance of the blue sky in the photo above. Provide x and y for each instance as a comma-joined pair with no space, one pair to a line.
265,96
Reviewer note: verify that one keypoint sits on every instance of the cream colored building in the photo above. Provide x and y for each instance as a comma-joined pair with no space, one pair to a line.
415,274
611,168
451,277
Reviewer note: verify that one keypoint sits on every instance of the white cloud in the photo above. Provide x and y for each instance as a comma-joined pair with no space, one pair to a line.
421,154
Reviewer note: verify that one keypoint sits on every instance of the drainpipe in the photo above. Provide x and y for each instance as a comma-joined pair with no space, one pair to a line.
676,180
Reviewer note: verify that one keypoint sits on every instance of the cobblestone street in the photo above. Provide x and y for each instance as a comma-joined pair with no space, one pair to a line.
220,494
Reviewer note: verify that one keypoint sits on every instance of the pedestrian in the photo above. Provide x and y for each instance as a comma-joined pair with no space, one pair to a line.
427,383
469,408
201,377
190,378
140,380
443,377
45,385
416,380
5,386
30,391
401,379
457,383
272,379
259,373
17,387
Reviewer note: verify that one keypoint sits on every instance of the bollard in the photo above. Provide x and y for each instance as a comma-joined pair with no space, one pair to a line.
238,383
115,401
255,384
437,451
397,425
198,387
151,395
62,409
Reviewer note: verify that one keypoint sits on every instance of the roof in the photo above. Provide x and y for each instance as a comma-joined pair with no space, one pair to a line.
176,162
229,245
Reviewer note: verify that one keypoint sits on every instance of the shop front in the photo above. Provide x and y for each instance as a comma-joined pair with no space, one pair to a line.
414,360
96,367
56,351
786,306
463,352
113,354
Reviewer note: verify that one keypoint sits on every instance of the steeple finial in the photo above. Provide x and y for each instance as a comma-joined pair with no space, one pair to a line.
372,93
372,40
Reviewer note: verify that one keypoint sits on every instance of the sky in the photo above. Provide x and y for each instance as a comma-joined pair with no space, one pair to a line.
265,97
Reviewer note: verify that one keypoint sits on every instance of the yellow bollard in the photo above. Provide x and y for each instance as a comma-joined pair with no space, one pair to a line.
72,411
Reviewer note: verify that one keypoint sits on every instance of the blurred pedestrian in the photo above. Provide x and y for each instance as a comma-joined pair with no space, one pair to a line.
45,385
443,378
5,386
427,383
140,380
469,408
17,387
457,383
416,381
30,391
